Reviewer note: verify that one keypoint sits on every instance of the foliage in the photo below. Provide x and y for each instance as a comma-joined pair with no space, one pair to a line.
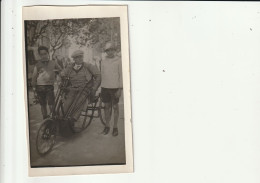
93,32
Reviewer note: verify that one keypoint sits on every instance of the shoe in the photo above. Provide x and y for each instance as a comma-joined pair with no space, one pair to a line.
115,132
106,130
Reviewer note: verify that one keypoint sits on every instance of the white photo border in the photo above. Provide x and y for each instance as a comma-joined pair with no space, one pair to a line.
87,11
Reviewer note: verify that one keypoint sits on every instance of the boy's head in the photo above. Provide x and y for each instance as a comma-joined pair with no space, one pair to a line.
44,53
110,49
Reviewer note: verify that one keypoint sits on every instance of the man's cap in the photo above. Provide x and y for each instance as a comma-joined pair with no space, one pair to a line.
77,53
109,45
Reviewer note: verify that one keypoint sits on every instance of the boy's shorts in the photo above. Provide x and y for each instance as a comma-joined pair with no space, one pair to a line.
45,94
108,95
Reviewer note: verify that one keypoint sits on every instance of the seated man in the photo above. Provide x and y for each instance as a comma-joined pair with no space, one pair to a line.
80,74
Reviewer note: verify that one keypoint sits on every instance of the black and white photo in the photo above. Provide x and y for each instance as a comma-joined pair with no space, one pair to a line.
76,80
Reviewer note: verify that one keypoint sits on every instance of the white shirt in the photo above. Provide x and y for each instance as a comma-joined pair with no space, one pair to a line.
111,72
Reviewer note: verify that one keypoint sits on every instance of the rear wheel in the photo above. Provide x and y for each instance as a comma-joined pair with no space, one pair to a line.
46,136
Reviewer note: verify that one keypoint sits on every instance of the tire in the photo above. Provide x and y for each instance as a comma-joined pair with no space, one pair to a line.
46,136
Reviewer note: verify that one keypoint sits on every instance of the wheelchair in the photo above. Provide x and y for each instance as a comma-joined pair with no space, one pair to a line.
59,121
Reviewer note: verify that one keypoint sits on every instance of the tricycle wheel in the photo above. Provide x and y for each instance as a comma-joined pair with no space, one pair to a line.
46,136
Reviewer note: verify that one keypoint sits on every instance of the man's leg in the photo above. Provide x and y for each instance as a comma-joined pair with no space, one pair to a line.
68,102
80,105
70,97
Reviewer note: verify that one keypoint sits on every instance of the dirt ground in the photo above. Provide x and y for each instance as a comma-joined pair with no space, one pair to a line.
88,147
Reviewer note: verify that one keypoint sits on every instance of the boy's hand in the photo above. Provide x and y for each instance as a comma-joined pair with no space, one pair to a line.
118,93
92,95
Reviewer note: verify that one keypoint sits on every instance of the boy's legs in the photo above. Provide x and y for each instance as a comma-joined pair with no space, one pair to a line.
108,112
116,114
115,100
110,99
44,111
106,99
41,93
50,97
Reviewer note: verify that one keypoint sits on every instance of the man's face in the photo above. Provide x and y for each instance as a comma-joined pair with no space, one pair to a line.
110,52
44,55
78,59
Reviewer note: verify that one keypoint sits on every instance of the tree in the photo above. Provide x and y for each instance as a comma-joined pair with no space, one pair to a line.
35,29
99,31
84,32
57,33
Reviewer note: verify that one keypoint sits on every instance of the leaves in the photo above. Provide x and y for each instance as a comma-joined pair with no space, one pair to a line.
83,32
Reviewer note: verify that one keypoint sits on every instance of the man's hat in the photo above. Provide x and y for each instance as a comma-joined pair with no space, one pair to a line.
77,53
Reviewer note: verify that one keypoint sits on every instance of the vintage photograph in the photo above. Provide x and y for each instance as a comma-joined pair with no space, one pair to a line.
75,92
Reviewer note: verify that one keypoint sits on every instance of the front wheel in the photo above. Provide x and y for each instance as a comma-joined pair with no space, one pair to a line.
46,136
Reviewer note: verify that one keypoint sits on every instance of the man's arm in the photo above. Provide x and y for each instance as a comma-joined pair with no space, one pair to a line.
96,74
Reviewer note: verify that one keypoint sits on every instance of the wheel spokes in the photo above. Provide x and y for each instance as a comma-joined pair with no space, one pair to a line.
46,137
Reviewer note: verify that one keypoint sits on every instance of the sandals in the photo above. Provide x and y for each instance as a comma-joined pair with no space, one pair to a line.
106,130
115,132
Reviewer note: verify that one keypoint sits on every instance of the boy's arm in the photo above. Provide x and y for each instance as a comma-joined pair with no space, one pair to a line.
120,74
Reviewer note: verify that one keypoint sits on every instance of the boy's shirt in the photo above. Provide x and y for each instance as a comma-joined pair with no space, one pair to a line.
111,72
44,73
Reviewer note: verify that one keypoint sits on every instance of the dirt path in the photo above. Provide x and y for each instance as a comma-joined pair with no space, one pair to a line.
89,147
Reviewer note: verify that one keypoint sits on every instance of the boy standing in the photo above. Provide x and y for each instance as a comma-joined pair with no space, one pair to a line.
43,80
111,86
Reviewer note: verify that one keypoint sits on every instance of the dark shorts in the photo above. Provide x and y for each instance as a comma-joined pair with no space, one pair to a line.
108,95
45,94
